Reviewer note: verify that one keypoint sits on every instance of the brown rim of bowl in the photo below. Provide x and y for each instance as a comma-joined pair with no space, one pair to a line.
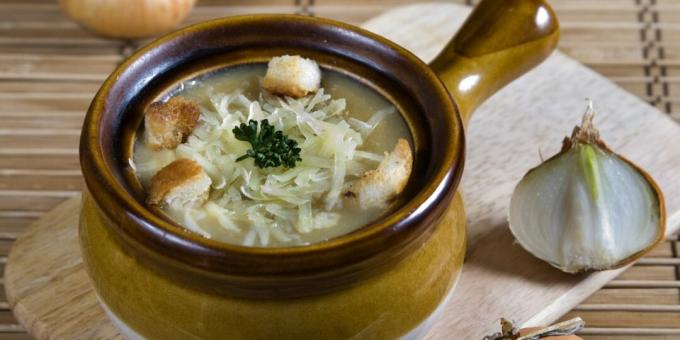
396,230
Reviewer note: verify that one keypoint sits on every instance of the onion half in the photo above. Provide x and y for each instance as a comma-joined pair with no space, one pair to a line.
587,208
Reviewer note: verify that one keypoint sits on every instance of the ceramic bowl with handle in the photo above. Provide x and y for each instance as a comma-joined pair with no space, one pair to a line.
384,280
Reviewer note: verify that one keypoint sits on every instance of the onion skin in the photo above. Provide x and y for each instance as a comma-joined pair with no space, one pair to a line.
525,331
127,19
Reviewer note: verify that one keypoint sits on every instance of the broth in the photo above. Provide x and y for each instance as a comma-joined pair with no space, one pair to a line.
271,225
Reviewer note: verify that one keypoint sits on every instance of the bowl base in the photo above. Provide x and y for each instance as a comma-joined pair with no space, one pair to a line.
396,303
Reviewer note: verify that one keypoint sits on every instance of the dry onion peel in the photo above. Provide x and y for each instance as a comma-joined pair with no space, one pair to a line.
563,330
587,208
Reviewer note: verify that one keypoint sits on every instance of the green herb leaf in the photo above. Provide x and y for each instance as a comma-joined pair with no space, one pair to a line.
269,148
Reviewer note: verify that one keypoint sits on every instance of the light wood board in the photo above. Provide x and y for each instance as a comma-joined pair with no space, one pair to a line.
505,135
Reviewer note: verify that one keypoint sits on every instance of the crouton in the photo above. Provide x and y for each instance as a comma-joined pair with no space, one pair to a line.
292,76
377,187
180,183
167,125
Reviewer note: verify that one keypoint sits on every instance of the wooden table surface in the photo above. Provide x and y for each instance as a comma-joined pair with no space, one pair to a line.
50,69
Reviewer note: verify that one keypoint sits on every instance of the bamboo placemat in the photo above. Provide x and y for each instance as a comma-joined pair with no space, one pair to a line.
50,69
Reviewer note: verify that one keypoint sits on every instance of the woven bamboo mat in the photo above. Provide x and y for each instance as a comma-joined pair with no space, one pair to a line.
50,69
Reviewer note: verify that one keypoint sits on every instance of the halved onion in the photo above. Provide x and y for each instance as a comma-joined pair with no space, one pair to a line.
587,208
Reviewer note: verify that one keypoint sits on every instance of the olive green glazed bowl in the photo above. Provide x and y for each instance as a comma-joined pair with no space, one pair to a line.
388,279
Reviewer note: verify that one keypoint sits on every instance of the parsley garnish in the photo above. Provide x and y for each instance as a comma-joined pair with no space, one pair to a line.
270,148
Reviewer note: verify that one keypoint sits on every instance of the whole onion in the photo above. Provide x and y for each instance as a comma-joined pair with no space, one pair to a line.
127,18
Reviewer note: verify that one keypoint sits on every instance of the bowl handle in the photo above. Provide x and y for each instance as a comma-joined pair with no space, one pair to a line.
499,41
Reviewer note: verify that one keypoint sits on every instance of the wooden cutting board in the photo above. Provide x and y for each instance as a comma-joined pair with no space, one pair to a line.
49,291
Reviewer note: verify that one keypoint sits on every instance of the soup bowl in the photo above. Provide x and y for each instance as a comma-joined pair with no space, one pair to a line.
387,279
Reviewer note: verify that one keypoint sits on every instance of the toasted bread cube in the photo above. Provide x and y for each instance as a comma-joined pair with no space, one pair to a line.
180,183
167,125
292,76
377,187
